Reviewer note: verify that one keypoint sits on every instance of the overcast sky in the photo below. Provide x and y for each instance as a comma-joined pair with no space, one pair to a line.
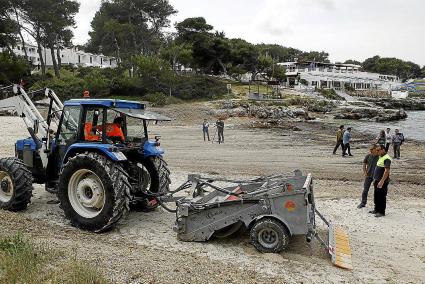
346,29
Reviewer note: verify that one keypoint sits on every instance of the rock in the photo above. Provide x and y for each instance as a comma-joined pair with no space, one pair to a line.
370,113
393,115
273,112
406,104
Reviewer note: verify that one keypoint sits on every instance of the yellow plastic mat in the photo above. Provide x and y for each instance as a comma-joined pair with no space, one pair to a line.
339,247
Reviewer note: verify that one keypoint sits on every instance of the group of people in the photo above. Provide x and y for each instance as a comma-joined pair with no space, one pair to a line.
343,138
376,169
376,165
385,138
219,124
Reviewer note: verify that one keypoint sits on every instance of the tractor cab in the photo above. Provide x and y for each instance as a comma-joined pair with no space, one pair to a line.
106,122
100,119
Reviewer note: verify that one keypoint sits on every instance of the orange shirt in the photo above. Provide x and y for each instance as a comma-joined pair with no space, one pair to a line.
114,130
88,132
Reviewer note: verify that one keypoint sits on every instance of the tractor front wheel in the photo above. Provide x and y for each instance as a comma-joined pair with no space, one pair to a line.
15,184
93,192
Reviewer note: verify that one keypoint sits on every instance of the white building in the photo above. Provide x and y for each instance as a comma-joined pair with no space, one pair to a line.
337,76
69,56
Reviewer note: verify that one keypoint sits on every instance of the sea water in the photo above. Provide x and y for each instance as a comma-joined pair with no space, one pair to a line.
413,127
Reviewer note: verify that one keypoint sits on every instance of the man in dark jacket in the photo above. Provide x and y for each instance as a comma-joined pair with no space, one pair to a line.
339,135
220,130
369,164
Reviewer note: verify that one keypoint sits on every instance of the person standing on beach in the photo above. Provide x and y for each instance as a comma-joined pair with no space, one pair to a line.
220,130
381,138
205,129
398,139
381,179
388,139
339,136
346,141
369,164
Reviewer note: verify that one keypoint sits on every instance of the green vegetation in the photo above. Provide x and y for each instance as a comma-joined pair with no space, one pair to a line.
392,66
24,262
330,94
48,22
159,99
150,78
243,89
8,26
12,68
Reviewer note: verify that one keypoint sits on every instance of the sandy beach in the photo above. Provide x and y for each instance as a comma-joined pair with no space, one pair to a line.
144,249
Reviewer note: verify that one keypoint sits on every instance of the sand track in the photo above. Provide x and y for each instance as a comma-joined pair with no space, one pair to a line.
143,248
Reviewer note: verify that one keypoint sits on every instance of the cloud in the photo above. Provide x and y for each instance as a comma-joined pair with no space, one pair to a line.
88,9
346,29
326,4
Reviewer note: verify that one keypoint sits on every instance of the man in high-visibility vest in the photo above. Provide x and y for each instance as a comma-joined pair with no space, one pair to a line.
381,179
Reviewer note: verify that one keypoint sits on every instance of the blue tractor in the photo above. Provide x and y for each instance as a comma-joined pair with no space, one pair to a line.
95,154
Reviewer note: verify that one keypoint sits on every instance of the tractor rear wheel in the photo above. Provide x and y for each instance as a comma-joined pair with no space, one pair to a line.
155,178
15,184
269,235
93,192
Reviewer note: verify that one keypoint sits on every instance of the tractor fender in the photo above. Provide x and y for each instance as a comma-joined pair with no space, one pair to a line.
106,149
271,216
151,150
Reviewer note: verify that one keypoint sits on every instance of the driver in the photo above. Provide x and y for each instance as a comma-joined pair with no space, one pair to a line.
114,130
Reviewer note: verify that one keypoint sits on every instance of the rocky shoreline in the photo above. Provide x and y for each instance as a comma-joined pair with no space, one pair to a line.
406,104
370,113
377,110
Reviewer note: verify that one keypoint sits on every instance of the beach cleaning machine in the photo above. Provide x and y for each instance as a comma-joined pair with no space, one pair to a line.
272,209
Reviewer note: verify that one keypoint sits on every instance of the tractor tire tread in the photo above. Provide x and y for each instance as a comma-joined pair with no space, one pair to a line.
118,181
161,185
22,179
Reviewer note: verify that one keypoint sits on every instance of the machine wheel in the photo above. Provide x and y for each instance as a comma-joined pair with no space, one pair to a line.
15,184
269,236
93,192
155,179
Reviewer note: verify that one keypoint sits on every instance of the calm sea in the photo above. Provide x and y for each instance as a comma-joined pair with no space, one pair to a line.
413,127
